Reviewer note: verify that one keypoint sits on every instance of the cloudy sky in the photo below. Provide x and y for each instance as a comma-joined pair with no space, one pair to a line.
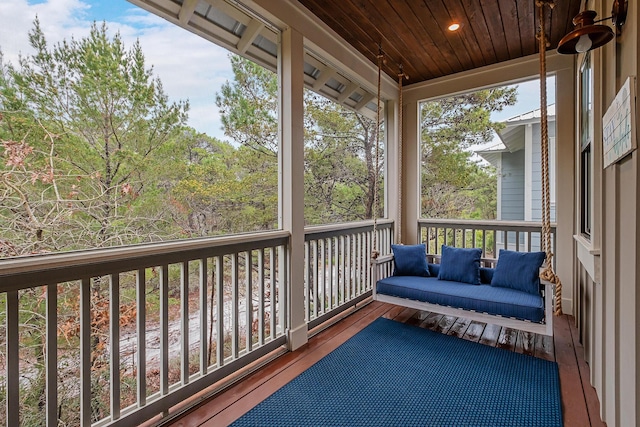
189,66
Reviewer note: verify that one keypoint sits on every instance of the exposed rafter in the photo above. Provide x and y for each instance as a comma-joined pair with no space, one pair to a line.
346,93
324,77
364,101
250,33
186,11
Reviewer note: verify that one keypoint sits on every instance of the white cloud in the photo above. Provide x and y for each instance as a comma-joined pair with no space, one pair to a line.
58,19
189,66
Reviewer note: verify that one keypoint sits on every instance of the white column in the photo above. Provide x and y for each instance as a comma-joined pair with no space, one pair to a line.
411,179
292,179
392,185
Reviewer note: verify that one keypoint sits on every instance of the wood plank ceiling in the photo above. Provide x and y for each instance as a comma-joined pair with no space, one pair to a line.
414,32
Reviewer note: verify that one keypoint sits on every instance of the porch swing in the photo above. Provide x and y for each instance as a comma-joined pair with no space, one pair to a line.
513,291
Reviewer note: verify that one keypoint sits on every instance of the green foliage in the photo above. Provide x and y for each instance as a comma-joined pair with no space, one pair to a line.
453,185
249,106
340,163
85,119
339,151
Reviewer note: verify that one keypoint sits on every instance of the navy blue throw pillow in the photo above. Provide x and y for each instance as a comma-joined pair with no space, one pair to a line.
410,260
518,270
460,264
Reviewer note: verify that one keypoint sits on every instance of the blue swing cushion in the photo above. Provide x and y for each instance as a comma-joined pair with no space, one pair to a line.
410,260
460,265
518,270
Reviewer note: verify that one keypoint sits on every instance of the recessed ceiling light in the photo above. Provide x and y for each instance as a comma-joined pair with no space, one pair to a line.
454,27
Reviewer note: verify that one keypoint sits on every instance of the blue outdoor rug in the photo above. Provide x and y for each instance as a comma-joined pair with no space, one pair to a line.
393,374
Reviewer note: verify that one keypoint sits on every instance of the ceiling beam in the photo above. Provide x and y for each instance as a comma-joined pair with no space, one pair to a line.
347,92
364,101
186,11
250,33
325,75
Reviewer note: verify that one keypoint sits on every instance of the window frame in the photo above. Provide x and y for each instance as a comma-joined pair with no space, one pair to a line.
585,148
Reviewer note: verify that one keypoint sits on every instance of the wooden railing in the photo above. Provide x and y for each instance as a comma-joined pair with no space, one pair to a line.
118,336
337,267
490,236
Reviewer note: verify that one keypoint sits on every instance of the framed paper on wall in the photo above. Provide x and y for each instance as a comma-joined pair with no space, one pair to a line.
619,124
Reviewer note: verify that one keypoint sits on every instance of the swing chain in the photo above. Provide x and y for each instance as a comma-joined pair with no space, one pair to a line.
374,252
547,273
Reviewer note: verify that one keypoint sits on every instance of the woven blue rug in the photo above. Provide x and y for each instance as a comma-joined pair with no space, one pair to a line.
393,374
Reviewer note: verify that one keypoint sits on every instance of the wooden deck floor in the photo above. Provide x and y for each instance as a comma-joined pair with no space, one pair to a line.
580,403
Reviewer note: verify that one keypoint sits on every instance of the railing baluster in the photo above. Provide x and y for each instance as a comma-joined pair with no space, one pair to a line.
367,257
342,276
316,280
164,329
495,243
13,359
357,261
274,281
141,326
220,338
348,271
249,299
51,356
364,245
330,256
184,323
235,338
204,352
322,276
517,241
114,342
553,240
85,352
282,286
307,280
261,296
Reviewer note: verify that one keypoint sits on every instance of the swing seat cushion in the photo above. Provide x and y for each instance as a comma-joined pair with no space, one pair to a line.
483,298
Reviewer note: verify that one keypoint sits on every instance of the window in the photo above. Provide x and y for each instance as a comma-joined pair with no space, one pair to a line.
340,163
586,140
148,153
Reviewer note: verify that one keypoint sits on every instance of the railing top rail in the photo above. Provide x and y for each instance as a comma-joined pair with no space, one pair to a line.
482,224
35,270
332,230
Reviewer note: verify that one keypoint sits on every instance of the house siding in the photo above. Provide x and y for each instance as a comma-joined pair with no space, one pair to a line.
536,173
512,178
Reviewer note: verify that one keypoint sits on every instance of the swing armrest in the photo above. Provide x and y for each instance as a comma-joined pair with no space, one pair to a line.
548,304
382,259
380,268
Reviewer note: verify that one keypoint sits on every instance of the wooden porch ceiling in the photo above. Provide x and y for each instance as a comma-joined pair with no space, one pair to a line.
414,32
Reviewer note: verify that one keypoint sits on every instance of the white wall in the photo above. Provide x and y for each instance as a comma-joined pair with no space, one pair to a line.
608,264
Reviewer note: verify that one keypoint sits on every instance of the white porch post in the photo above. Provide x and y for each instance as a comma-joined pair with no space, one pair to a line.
411,179
292,179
